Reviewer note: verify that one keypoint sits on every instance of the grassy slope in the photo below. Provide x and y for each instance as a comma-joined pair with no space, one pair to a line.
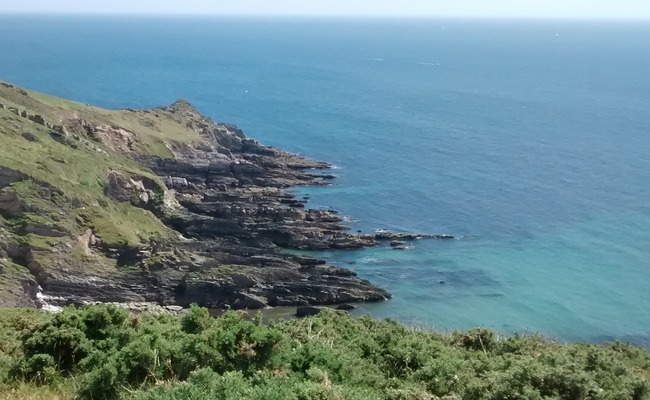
79,173
153,128
78,170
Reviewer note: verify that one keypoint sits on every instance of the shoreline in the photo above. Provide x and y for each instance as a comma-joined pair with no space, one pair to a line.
218,206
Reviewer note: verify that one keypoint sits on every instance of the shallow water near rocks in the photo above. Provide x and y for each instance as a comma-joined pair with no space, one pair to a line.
529,140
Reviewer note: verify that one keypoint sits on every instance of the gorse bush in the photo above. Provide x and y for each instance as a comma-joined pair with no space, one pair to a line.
103,352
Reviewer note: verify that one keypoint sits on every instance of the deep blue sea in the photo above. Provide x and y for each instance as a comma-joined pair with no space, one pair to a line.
530,140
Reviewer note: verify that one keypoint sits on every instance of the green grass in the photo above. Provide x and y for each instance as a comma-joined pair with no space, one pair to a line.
80,172
64,188
153,128
30,392
80,175
106,353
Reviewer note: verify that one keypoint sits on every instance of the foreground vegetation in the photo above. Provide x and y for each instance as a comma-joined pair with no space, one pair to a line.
107,353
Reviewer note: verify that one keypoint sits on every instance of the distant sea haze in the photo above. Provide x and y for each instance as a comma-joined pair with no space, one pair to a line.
528,140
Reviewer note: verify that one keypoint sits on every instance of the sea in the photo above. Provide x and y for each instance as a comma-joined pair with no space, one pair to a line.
528,140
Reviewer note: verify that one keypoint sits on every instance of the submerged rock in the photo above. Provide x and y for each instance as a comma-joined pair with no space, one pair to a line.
386,236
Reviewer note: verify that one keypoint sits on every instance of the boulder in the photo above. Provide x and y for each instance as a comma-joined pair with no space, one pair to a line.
248,301
307,311
45,230
124,189
10,203
9,176
37,119
175,183
30,137
86,241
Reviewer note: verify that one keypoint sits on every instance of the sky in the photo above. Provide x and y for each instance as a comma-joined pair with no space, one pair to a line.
589,9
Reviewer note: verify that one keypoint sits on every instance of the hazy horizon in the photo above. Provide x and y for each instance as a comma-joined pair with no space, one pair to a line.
472,9
486,18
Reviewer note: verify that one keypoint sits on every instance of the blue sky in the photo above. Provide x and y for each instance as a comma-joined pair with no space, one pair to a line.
637,9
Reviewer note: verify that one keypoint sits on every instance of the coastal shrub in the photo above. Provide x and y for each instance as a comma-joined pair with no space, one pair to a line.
312,356
244,346
477,339
194,353
197,320
39,368
105,353
102,323
204,384
67,345
409,393
71,336
12,324
101,383
157,204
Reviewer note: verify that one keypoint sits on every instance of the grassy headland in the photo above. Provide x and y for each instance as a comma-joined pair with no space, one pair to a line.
163,206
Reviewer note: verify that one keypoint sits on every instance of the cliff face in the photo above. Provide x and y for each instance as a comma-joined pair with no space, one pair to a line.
161,205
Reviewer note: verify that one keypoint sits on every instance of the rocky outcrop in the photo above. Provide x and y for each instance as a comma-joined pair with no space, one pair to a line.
225,196
139,191
9,176
36,118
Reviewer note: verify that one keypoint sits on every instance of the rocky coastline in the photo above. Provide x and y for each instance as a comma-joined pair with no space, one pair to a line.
224,200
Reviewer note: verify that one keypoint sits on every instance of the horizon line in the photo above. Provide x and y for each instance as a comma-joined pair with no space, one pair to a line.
330,16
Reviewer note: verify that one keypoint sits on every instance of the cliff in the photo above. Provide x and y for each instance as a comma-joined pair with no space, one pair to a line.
163,206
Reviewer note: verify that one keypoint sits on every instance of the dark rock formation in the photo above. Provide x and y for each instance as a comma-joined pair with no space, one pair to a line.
225,197
392,236
302,312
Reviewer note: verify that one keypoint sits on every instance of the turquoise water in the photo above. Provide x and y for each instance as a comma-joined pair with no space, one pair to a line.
530,140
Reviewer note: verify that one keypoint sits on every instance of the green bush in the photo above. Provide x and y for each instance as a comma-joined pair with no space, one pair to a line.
477,339
197,320
40,368
66,345
103,353
101,383
244,345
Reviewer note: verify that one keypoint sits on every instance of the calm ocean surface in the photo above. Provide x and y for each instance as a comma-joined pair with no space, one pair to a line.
531,140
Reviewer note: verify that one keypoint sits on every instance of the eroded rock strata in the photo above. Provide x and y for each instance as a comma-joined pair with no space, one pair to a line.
163,206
